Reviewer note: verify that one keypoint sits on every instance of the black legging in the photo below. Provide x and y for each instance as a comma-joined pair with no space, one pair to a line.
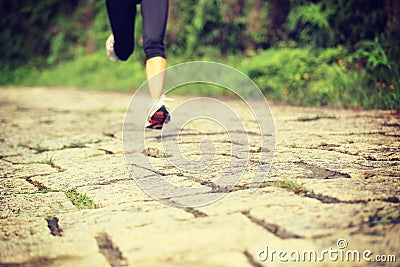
122,15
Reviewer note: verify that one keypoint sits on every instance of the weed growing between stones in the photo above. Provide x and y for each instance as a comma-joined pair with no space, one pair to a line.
155,153
48,161
294,145
316,117
46,121
81,201
291,185
109,134
74,145
39,149
382,217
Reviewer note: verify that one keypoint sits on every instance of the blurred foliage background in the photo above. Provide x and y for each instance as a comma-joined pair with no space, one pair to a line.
343,53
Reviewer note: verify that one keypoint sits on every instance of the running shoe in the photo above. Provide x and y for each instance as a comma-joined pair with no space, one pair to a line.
158,114
110,49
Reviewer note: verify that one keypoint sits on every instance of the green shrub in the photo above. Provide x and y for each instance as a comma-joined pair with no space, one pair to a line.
320,77
297,76
382,72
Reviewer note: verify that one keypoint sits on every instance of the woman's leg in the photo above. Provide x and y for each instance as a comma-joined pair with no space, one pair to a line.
121,14
154,66
154,14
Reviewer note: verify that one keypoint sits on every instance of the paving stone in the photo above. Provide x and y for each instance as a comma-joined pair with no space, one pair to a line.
30,242
21,171
34,205
12,185
334,176
196,243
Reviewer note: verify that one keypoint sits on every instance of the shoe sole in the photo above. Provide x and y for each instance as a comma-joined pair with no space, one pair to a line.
157,125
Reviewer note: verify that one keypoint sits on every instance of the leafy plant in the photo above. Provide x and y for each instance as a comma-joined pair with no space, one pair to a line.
81,201
382,73
39,149
291,185
316,117
313,23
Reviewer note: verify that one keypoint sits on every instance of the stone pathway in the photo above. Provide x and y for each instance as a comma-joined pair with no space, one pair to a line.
67,197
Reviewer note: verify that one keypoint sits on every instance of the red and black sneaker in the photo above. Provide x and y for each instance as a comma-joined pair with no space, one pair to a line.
157,120
159,114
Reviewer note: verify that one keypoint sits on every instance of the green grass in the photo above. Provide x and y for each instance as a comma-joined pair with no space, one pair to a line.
316,117
296,76
74,145
294,145
291,185
384,217
323,144
48,161
80,144
156,153
98,112
94,72
109,134
46,121
81,201
39,149
22,145
44,191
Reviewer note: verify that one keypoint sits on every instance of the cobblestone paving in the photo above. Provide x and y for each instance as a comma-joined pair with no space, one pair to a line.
67,197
